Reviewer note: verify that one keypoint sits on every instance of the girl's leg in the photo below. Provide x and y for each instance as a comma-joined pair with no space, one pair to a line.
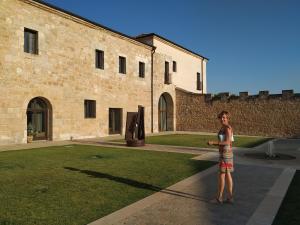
229,185
221,185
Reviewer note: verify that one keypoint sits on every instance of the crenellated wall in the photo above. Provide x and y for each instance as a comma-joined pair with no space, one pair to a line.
275,115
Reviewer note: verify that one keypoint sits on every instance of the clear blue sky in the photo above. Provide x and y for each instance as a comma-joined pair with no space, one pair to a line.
252,45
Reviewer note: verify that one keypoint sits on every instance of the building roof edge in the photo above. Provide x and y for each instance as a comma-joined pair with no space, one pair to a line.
87,20
165,39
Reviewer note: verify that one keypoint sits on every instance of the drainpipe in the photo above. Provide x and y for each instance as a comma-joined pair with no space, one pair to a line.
202,75
152,54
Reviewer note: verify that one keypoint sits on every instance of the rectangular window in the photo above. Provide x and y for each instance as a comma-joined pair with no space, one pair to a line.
122,65
141,69
167,73
30,41
174,66
89,108
199,82
115,121
99,59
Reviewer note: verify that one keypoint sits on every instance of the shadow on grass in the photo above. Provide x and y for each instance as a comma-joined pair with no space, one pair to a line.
136,184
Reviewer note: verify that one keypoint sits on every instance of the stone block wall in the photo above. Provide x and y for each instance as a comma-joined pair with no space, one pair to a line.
64,72
159,88
259,115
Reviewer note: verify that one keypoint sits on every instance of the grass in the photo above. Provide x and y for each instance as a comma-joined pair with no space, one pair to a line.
192,140
288,213
78,184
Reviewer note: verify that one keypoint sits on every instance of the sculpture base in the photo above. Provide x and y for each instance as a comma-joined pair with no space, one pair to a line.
135,143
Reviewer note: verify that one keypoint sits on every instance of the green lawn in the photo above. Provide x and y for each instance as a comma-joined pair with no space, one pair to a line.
78,184
288,213
192,140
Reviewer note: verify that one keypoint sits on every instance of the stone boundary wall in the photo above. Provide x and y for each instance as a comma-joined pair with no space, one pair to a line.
276,115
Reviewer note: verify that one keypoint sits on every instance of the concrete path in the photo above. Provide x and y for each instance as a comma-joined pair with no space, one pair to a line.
35,144
187,203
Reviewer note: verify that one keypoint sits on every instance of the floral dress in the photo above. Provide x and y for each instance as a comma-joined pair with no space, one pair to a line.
225,153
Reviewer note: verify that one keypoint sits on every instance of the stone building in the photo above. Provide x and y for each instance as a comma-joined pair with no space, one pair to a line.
63,76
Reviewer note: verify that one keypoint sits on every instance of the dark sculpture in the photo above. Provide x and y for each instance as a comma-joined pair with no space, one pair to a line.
135,129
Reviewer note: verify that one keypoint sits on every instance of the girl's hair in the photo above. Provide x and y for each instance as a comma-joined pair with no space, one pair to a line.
223,113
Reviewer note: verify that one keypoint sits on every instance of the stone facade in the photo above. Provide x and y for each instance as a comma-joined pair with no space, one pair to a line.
63,73
261,115
188,64
159,88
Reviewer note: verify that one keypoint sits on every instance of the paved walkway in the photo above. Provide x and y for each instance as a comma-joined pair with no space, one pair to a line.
188,203
36,144
260,186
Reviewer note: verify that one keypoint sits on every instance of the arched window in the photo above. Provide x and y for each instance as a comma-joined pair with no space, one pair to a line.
165,113
162,113
38,119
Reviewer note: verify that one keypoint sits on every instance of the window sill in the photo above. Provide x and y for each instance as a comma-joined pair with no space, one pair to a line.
30,55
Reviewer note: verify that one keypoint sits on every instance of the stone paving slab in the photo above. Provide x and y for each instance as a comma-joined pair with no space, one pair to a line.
268,208
194,208
151,147
35,144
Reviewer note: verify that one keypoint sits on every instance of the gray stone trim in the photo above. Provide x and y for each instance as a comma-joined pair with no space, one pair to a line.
268,208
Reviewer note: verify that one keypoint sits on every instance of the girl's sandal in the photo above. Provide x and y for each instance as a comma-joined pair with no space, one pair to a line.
229,201
216,201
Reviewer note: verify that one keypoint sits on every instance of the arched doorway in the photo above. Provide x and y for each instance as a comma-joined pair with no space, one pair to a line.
165,113
39,118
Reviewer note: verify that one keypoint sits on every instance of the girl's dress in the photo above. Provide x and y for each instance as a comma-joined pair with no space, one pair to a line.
225,153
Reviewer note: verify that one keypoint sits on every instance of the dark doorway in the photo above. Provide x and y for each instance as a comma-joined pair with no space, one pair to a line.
39,113
162,114
115,121
165,113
